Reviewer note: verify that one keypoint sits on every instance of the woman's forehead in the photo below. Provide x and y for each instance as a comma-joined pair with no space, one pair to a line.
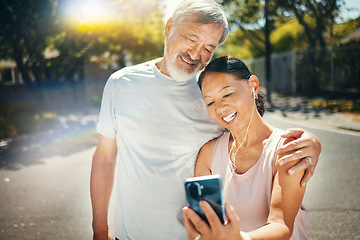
219,78
219,81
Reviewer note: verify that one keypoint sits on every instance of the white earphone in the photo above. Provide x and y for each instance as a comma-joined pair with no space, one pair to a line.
253,92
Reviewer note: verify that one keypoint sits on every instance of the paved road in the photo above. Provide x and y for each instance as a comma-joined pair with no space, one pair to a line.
333,194
44,191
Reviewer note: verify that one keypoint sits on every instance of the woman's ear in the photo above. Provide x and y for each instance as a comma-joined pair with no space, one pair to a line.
254,84
168,27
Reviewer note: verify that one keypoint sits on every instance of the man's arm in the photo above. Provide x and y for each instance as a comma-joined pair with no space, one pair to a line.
101,184
306,145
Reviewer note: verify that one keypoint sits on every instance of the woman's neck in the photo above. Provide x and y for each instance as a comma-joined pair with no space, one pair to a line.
245,153
257,132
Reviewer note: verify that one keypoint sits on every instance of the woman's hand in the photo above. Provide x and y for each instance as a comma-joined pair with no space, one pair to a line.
306,145
196,227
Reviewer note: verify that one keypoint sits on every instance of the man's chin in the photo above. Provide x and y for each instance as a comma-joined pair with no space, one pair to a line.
180,75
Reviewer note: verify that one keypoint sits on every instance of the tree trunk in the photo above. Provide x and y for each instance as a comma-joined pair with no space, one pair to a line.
267,53
24,70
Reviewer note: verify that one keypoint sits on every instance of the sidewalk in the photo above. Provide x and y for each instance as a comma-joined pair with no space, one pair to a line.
298,109
73,125
72,132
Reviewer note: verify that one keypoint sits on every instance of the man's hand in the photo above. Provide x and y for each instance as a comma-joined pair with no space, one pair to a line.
306,145
102,235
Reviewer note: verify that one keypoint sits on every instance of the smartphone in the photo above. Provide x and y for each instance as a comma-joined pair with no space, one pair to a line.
207,188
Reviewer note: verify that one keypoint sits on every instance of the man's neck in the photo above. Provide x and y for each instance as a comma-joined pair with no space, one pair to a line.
162,67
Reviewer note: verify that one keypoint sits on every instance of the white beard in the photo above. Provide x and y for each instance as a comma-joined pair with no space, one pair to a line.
179,75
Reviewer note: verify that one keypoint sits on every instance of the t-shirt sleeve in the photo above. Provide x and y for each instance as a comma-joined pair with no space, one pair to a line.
107,124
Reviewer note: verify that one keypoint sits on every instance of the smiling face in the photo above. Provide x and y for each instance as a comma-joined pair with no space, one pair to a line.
188,48
229,101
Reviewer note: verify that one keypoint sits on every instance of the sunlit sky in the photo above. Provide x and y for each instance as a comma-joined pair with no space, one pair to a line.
352,14
344,14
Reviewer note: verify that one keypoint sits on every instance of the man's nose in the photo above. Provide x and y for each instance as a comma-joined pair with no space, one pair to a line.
195,52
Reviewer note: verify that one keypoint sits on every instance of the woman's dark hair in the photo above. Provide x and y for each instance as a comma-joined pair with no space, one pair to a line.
236,67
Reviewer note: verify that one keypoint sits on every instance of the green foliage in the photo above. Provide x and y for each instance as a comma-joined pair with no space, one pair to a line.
239,46
22,118
24,28
340,31
29,29
52,40
288,36
246,21
133,28
317,18
293,24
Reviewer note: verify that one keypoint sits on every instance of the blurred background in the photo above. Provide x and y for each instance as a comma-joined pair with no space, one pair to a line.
56,55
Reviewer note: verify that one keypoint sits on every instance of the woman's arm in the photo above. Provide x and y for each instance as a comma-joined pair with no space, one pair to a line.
286,198
203,162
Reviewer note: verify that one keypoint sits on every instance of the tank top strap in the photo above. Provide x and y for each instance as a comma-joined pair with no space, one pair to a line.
220,155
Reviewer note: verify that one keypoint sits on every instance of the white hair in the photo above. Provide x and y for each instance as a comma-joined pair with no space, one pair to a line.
203,12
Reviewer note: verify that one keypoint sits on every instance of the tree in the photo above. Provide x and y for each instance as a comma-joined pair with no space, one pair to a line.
288,36
316,17
248,17
24,27
30,28
131,29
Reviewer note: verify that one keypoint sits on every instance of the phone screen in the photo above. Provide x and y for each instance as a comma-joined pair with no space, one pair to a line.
207,188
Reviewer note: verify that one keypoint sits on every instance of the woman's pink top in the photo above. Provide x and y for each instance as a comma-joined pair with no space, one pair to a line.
250,193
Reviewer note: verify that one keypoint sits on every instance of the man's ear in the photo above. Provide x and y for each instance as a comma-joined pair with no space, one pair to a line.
168,27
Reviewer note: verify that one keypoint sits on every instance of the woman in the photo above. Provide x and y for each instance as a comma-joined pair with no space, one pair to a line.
265,200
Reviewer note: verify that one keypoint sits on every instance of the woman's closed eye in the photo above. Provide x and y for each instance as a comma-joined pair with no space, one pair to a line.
209,104
227,95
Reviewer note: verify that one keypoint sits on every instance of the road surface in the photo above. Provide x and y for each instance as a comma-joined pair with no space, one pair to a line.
44,191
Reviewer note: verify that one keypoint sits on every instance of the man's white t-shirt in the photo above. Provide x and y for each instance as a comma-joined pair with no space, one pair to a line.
160,126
